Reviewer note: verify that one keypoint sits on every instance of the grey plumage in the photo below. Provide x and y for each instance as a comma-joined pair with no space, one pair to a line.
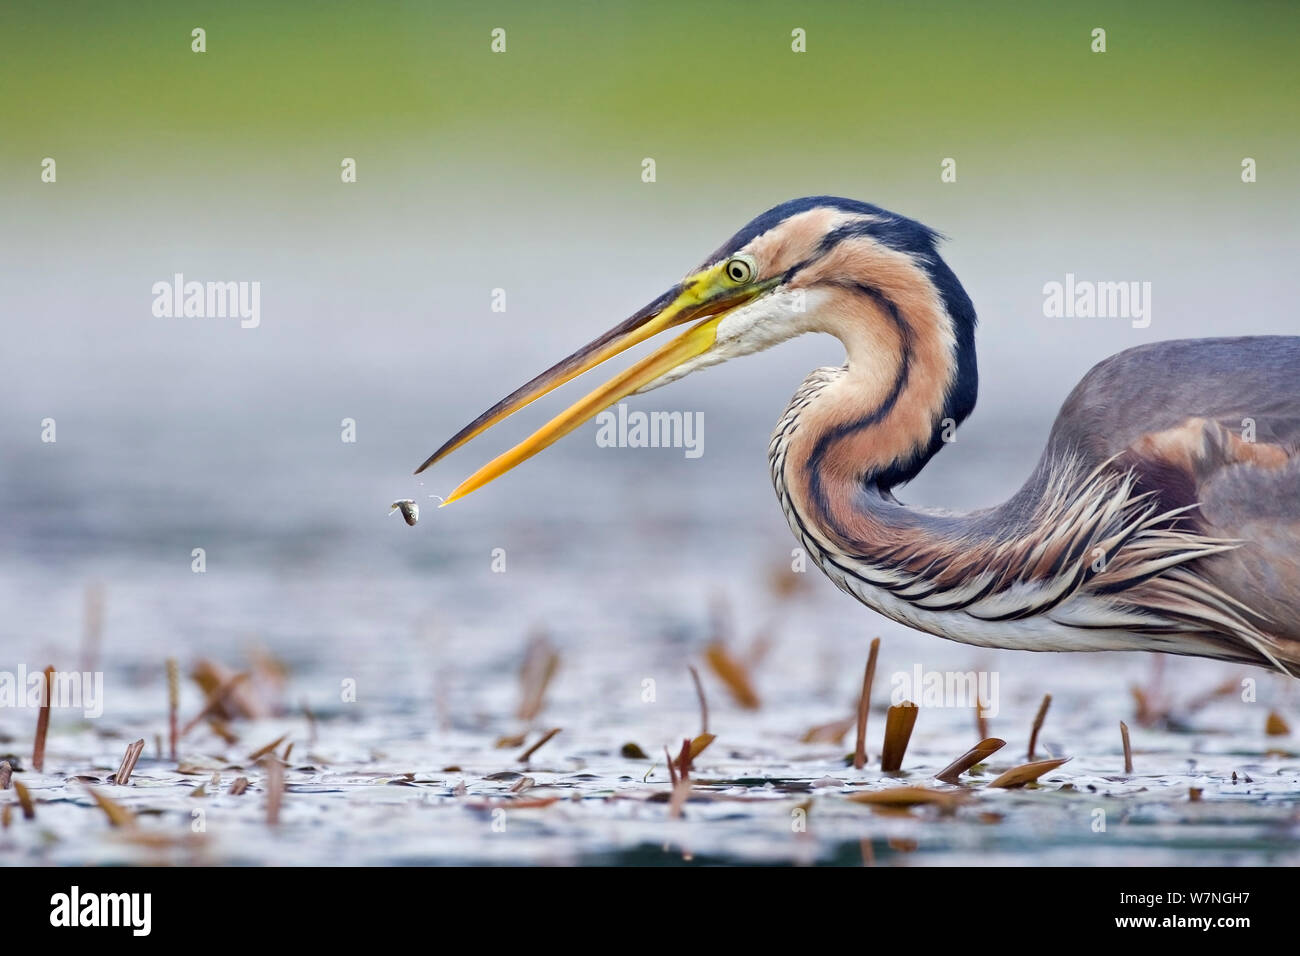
1197,555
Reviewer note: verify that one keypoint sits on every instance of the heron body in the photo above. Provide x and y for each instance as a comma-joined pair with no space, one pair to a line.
1163,515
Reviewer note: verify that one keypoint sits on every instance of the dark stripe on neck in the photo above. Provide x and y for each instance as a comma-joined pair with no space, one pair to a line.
815,461
918,242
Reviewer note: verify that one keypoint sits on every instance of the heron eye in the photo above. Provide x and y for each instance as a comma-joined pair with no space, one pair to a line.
740,269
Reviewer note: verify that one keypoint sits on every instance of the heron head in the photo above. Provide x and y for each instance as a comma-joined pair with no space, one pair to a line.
800,267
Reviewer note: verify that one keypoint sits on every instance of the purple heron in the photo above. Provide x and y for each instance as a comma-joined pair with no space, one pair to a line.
1155,520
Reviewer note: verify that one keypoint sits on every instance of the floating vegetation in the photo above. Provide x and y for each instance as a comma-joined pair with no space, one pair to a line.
542,742
785,583
541,661
237,697
830,733
1038,725
684,761
864,706
1145,712
681,793
43,721
514,803
690,750
704,701
123,775
729,802
118,815
734,675
1026,773
274,789
261,752
173,705
202,789
981,722
1228,688
222,730
216,701
25,801
899,722
976,755
911,797
699,743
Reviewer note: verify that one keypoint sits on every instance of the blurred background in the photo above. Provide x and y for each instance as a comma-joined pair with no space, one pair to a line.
523,171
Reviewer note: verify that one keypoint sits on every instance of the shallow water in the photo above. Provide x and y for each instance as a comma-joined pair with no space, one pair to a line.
177,437
410,772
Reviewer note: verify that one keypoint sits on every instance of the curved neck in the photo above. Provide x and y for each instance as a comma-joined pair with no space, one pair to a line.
852,434
877,421
851,430
853,526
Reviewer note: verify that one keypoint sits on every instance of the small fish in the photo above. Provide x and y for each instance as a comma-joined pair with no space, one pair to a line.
409,509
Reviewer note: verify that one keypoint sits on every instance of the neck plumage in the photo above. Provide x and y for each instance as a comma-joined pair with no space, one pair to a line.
1078,559
851,434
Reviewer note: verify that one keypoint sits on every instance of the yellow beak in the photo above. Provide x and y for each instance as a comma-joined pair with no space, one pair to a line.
704,294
